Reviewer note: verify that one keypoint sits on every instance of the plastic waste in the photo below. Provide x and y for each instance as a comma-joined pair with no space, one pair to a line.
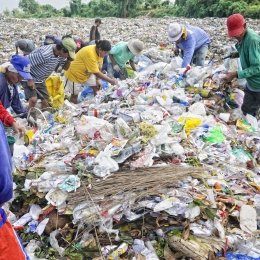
190,123
70,184
128,152
248,221
214,136
55,87
41,226
35,211
54,242
145,249
56,197
104,165
115,255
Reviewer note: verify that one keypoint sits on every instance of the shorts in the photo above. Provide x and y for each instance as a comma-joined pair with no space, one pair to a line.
41,92
74,88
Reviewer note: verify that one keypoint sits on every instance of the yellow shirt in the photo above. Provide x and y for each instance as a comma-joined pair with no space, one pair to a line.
2,69
86,63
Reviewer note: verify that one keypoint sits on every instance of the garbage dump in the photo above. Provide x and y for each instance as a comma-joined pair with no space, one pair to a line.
162,166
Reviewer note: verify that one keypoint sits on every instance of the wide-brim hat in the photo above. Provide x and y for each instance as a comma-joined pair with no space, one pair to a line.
135,46
174,32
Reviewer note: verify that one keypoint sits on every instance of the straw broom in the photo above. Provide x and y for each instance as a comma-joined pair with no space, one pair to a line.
140,182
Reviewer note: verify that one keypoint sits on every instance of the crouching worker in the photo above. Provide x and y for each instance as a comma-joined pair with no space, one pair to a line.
192,41
11,73
10,246
86,69
122,53
44,61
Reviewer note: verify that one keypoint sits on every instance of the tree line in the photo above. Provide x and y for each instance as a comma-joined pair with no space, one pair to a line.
133,8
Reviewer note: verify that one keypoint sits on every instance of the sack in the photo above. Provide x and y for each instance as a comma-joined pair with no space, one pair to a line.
55,88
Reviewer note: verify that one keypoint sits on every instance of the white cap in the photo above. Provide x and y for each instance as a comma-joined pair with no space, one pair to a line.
174,32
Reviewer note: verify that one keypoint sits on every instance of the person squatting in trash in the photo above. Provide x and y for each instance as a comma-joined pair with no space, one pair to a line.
86,69
10,246
11,73
248,47
44,61
122,53
192,41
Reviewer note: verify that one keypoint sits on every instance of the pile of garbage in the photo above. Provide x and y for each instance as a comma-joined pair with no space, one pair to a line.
152,31
163,166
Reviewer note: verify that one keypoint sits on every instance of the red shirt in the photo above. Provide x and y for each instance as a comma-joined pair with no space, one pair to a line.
5,117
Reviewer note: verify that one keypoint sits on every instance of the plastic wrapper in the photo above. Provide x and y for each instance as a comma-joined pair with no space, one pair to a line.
56,197
146,250
244,125
190,123
145,158
214,136
70,184
115,255
104,165
35,211
248,221
54,242
198,109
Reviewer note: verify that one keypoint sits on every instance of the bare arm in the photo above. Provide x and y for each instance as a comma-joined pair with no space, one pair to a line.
106,78
67,64
132,64
111,57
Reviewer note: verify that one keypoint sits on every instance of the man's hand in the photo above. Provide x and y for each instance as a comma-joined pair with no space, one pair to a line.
234,55
176,51
30,84
113,82
97,87
18,129
31,121
116,68
230,75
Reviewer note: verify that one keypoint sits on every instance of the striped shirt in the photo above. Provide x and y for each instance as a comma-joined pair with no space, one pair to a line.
44,62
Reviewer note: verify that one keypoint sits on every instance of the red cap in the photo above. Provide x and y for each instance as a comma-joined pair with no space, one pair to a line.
235,25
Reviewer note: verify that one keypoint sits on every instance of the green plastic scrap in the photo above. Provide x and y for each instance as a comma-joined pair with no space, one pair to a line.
214,136
242,155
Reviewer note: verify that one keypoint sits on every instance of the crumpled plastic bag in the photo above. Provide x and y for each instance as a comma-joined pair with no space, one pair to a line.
198,108
214,136
190,123
105,165
55,87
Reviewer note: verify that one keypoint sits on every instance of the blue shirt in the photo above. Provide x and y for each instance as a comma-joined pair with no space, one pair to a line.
6,180
10,97
196,37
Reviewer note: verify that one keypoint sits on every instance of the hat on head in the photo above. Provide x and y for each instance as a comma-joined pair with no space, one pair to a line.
135,46
174,32
22,65
235,24
70,45
25,45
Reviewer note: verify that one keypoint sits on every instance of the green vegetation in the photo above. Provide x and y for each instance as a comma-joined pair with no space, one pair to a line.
133,8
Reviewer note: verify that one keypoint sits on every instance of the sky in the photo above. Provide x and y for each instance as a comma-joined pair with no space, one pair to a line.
11,4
